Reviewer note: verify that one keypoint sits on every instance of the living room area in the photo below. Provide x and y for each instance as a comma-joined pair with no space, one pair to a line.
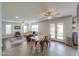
40,28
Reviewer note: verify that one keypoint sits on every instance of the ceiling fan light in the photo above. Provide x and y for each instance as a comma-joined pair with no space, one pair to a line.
17,17
49,17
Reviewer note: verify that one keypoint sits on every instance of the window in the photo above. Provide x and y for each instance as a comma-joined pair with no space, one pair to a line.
52,30
8,29
60,31
35,28
25,28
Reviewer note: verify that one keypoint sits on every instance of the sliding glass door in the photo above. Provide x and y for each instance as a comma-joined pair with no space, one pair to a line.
56,31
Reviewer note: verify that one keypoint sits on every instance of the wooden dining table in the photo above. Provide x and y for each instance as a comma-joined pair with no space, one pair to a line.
36,38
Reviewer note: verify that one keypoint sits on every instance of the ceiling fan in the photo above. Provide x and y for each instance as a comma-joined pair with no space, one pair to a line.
50,14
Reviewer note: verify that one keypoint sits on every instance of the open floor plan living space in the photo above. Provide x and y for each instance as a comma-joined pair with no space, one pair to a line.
40,28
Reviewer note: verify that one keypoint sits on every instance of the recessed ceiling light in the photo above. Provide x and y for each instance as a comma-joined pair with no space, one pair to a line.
17,17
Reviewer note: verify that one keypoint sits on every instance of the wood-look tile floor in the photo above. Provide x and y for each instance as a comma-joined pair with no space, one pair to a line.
55,49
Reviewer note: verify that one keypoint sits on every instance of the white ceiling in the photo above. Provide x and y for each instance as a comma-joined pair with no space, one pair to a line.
33,11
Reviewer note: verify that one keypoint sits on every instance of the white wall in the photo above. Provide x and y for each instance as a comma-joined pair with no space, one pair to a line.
44,27
0,30
12,29
78,22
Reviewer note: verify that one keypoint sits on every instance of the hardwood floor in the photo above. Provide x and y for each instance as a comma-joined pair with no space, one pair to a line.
23,49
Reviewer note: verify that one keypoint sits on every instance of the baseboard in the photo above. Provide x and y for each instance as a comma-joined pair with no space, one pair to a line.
58,41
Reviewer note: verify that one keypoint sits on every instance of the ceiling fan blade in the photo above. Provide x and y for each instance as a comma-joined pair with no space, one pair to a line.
55,14
43,17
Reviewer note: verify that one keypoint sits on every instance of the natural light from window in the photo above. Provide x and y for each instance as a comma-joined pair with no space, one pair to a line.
8,29
60,31
25,28
52,30
35,27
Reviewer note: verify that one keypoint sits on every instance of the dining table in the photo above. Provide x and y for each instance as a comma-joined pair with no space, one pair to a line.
36,38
